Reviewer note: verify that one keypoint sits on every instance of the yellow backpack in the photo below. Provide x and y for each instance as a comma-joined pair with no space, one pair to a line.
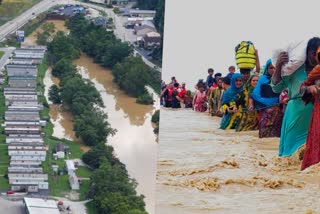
245,55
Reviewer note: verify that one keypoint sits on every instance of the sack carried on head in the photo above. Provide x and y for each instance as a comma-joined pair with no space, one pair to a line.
245,55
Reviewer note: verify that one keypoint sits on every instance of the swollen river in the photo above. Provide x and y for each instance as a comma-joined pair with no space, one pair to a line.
203,169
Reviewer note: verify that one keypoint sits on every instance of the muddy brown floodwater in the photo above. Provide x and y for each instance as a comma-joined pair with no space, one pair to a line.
202,169
134,143
32,38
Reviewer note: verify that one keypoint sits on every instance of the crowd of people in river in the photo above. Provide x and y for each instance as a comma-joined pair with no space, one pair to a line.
277,103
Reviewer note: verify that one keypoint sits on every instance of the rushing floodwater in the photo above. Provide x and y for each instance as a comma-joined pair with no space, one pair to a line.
202,169
134,143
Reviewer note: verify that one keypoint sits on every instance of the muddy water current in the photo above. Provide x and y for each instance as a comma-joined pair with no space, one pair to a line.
134,143
202,169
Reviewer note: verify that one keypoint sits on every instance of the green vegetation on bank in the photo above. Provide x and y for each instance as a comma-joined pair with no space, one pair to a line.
156,120
1,54
111,188
131,73
4,156
78,95
10,9
58,184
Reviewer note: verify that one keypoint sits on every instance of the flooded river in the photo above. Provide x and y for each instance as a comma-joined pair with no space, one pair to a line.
134,143
202,169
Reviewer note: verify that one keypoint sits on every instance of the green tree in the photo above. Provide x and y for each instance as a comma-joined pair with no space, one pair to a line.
101,151
54,94
64,68
132,75
145,99
113,192
62,47
92,127
47,30
116,10
156,117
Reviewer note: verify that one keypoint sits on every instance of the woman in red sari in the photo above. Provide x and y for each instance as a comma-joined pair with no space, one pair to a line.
310,90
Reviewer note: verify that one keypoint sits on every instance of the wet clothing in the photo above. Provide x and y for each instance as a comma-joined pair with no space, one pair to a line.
312,152
175,101
231,120
270,122
199,101
297,116
248,119
263,96
167,98
215,101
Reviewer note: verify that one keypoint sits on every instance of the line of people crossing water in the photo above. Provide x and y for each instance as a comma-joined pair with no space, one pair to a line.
283,101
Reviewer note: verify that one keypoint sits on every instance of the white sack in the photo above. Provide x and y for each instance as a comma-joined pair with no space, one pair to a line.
297,56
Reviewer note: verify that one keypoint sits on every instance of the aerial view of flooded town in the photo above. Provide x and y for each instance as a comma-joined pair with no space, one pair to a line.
79,105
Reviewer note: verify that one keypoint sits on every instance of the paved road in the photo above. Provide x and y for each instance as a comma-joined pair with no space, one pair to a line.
19,21
120,31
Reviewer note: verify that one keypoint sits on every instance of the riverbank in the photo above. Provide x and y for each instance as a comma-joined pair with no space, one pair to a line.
219,171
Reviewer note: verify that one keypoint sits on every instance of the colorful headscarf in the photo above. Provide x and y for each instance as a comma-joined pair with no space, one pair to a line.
268,63
231,93
264,81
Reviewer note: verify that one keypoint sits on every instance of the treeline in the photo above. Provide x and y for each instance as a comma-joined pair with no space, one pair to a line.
159,24
131,73
156,120
76,94
111,188
147,4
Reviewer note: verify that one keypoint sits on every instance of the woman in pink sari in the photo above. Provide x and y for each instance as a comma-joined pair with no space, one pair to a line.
200,99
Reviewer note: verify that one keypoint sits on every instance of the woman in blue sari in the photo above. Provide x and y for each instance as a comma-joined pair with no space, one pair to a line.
267,103
231,115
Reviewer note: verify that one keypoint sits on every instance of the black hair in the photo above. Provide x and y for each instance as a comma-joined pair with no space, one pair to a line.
176,85
313,45
232,67
226,80
210,70
245,70
218,75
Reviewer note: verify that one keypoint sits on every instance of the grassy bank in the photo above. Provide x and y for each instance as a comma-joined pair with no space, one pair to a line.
1,54
58,184
4,157
11,8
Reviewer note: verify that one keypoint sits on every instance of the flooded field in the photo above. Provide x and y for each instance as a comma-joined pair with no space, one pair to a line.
202,169
134,143
32,38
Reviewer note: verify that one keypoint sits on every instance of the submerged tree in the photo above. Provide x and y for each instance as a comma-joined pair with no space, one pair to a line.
54,94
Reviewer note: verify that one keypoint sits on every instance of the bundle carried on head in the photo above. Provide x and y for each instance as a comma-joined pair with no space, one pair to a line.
245,55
